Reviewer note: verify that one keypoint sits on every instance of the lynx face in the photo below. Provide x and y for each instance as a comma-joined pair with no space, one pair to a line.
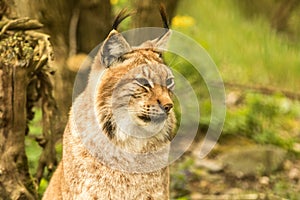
142,99
150,100
134,97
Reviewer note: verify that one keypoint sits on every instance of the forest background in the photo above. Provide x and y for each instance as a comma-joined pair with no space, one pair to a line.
255,45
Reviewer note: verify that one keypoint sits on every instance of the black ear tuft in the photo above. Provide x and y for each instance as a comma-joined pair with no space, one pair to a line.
120,17
115,44
163,14
160,44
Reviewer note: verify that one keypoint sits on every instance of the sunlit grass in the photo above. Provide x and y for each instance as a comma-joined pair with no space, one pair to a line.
246,51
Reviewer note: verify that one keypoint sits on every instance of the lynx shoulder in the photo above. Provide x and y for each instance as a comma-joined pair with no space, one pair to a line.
117,139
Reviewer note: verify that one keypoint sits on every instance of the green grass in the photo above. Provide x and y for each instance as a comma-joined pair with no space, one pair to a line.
33,150
265,119
246,51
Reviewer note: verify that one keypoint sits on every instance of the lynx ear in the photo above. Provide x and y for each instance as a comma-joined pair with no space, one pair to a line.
113,48
160,44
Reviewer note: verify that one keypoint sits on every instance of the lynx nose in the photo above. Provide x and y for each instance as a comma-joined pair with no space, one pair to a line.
165,102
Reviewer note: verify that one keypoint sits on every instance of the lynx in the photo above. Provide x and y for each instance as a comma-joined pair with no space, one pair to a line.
116,142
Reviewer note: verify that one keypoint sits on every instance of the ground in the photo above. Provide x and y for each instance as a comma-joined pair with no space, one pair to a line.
259,172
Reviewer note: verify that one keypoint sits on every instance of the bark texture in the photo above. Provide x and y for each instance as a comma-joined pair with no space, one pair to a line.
24,79
15,181
282,13
18,63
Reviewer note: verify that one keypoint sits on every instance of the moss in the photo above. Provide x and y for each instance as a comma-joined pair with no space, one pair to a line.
17,47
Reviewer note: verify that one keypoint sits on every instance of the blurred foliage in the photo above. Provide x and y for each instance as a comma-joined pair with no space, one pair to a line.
246,52
117,6
249,51
282,188
33,150
265,119
283,15
180,178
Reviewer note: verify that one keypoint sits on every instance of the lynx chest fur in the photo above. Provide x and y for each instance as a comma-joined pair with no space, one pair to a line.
117,140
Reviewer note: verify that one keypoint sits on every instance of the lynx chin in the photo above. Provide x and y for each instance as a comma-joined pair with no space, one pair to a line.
117,140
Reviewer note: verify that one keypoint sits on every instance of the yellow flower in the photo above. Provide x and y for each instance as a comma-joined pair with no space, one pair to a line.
183,21
114,2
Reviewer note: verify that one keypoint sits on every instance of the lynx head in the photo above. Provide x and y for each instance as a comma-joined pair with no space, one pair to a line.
134,99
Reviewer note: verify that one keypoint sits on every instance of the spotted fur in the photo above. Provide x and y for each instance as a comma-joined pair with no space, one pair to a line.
116,143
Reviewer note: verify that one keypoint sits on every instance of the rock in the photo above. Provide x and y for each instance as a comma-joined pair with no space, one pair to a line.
210,165
264,180
196,195
203,184
296,147
234,191
253,161
250,196
287,165
294,174
233,98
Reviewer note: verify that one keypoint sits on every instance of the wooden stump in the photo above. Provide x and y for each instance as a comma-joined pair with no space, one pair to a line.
24,79
15,180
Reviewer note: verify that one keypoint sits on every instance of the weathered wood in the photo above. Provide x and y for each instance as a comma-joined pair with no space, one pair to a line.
19,24
15,180
24,79
49,119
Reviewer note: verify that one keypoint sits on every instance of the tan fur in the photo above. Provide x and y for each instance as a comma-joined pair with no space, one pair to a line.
102,160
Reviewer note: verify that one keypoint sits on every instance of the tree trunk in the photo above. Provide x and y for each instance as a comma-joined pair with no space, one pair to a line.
74,26
148,12
68,36
281,15
55,16
15,180
94,24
